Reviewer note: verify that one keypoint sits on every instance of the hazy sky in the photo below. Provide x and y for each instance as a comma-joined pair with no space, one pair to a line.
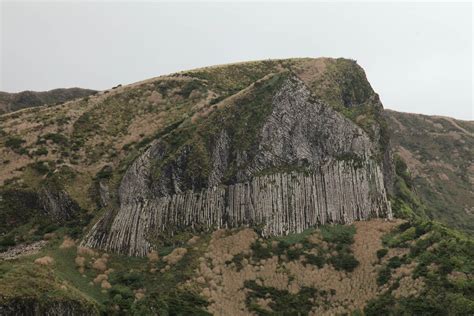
418,56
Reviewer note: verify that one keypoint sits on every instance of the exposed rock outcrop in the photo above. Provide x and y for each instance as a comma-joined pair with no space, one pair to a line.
35,307
57,204
308,166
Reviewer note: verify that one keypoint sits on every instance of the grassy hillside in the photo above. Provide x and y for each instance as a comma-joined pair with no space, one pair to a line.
439,152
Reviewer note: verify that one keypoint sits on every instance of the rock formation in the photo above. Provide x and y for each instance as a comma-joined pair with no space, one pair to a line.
57,204
54,308
307,165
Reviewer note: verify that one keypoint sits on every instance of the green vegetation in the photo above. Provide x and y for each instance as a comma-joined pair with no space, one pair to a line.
340,237
382,253
295,246
444,261
406,203
282,302
343,84
42,151
15,143
173,302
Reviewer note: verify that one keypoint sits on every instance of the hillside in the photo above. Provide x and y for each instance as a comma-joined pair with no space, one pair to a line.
261,187
439,152
10,102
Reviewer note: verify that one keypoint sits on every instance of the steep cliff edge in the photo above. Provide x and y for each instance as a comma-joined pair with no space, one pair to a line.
298,164
305,137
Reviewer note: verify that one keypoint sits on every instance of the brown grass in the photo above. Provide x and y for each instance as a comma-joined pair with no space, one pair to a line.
45,261
67,243
105,285
99,278
153,256
175,256
84,251
100,264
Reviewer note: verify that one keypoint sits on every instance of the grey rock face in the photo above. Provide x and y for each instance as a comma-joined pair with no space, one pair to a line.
312,166
57,204
35,307
104,194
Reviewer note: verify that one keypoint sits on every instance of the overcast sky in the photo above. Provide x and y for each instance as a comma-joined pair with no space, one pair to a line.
418,57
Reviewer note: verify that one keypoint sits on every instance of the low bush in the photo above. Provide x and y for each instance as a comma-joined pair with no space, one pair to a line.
344,261
384,276
42,151
175,302
315,260
261,252
381,253
283,302
15,143
338,234
57,138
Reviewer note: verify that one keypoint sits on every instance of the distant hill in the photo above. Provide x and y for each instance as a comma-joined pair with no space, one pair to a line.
439,152
10,102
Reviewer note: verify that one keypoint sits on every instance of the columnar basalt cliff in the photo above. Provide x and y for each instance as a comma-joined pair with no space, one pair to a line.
301,164
271,148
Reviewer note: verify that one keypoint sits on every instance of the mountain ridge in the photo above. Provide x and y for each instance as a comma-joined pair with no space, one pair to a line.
10,102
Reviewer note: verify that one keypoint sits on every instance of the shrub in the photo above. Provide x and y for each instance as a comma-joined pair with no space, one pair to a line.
134,280
294,253
260,252
384,276
104,173
283,302
175,302
57,138
380,306
40,167
338,234
122,296
344,261
41,151
14,142
315,260
394,262
7,241
381,253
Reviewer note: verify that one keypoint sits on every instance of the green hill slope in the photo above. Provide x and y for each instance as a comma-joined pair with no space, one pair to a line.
439,152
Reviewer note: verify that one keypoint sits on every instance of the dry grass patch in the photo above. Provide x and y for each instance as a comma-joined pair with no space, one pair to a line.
100,277
175,256
100,264
84,251
153,256
44,261
67,243
105,285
